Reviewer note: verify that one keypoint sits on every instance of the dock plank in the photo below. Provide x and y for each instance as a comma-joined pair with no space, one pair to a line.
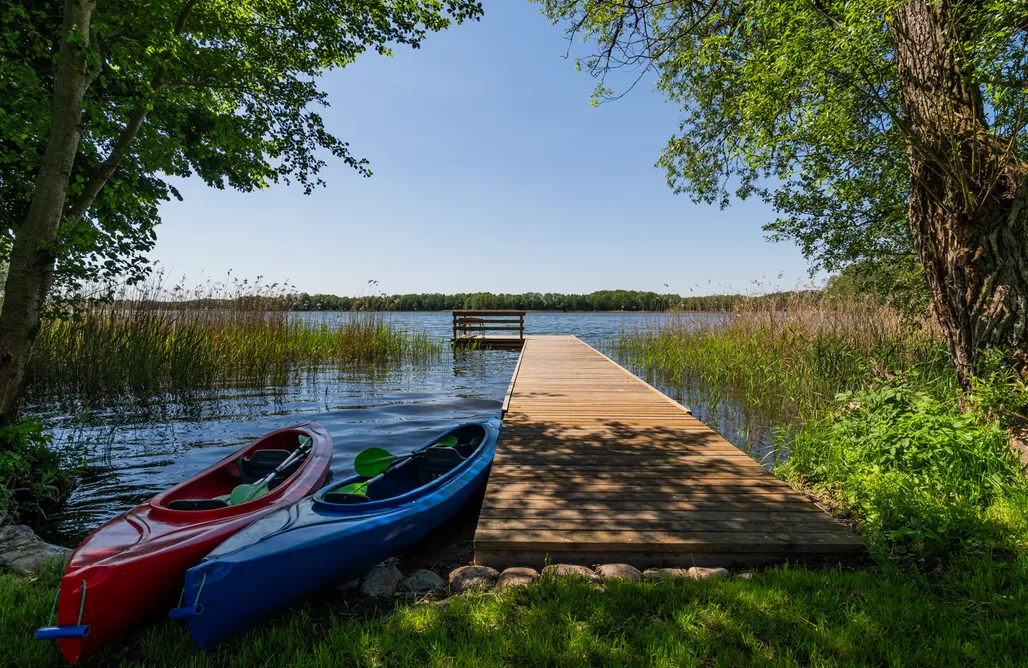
594,464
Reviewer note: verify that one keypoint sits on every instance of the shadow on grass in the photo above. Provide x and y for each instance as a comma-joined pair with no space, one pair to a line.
970,614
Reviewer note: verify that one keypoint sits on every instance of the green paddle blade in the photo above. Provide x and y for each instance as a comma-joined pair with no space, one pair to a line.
353,488
371,462
447,441
246,492
241,494
476,440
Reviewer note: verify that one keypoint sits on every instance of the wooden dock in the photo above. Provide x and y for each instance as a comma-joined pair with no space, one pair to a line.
595,466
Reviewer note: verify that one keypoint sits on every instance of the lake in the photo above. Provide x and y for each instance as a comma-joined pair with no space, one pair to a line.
135,451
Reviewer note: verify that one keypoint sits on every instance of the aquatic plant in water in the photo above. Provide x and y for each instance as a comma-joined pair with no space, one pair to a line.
153,342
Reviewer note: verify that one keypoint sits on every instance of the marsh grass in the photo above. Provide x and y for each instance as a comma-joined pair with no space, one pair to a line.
154,343
787,358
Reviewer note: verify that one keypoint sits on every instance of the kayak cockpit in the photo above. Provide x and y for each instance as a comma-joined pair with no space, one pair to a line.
418,469
259,470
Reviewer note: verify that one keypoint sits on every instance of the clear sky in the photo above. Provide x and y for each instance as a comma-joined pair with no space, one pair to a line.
492,172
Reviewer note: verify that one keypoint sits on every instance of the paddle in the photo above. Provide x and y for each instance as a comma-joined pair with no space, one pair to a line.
369,463
249,492
360,488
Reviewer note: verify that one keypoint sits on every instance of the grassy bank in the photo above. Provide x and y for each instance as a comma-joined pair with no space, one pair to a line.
783,616
141,348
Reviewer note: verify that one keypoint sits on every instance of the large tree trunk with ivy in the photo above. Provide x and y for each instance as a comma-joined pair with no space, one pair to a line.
969,195
31,264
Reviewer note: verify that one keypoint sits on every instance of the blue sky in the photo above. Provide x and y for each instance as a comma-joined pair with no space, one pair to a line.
492,172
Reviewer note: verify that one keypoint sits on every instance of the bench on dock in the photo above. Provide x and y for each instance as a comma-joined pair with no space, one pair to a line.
472,326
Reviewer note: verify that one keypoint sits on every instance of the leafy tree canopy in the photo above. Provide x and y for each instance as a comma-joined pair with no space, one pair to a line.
798,103
224,90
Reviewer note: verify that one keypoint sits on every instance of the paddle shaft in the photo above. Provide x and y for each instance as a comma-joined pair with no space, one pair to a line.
296,454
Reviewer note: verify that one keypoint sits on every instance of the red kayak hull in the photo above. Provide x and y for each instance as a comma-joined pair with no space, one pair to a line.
135,563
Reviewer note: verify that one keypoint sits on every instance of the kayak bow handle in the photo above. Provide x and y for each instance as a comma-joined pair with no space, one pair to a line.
51,632
61,632
186,611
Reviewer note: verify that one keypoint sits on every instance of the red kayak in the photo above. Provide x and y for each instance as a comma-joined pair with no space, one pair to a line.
136,562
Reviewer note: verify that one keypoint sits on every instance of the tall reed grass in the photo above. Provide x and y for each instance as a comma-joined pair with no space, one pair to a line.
155,343
787,359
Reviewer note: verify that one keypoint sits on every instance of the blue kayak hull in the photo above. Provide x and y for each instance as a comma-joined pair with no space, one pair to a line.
300,550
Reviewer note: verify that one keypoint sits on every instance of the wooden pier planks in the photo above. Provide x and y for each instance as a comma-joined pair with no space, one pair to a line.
594,465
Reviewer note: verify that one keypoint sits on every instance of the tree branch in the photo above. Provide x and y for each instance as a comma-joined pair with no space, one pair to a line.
99,177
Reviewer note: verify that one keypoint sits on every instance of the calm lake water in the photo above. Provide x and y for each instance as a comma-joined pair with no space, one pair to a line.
136,451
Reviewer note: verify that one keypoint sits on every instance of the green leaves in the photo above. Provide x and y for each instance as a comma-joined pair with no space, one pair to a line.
915,467
230,92
796,103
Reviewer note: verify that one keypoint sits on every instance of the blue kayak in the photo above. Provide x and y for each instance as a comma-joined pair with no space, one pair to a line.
298,550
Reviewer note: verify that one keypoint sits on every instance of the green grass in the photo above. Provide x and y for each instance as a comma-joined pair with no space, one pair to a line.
969,614
144,349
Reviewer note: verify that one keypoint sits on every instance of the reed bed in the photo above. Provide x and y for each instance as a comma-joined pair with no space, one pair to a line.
787,359
145,346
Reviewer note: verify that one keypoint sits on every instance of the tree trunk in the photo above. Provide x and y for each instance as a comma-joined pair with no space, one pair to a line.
968,195
31,265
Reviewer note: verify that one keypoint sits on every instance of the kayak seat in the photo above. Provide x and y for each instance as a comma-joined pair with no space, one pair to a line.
344,498
434,462
260,464
197,504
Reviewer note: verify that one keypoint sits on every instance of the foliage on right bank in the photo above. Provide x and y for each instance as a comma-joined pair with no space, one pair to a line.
864,401
920,474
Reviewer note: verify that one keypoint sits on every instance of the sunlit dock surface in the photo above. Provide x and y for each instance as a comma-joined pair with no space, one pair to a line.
596,466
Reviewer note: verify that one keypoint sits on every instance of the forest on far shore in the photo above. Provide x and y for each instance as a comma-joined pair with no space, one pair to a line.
601,300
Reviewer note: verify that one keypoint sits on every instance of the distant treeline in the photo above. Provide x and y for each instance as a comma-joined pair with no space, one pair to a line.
602,300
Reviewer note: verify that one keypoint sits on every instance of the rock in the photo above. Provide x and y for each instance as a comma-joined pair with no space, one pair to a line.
745,576
473,577
655,574
571,570
618,572
24,552
381,581
517,577
423,581
701,573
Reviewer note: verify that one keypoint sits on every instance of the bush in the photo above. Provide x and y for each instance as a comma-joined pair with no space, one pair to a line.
917,471
34,476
